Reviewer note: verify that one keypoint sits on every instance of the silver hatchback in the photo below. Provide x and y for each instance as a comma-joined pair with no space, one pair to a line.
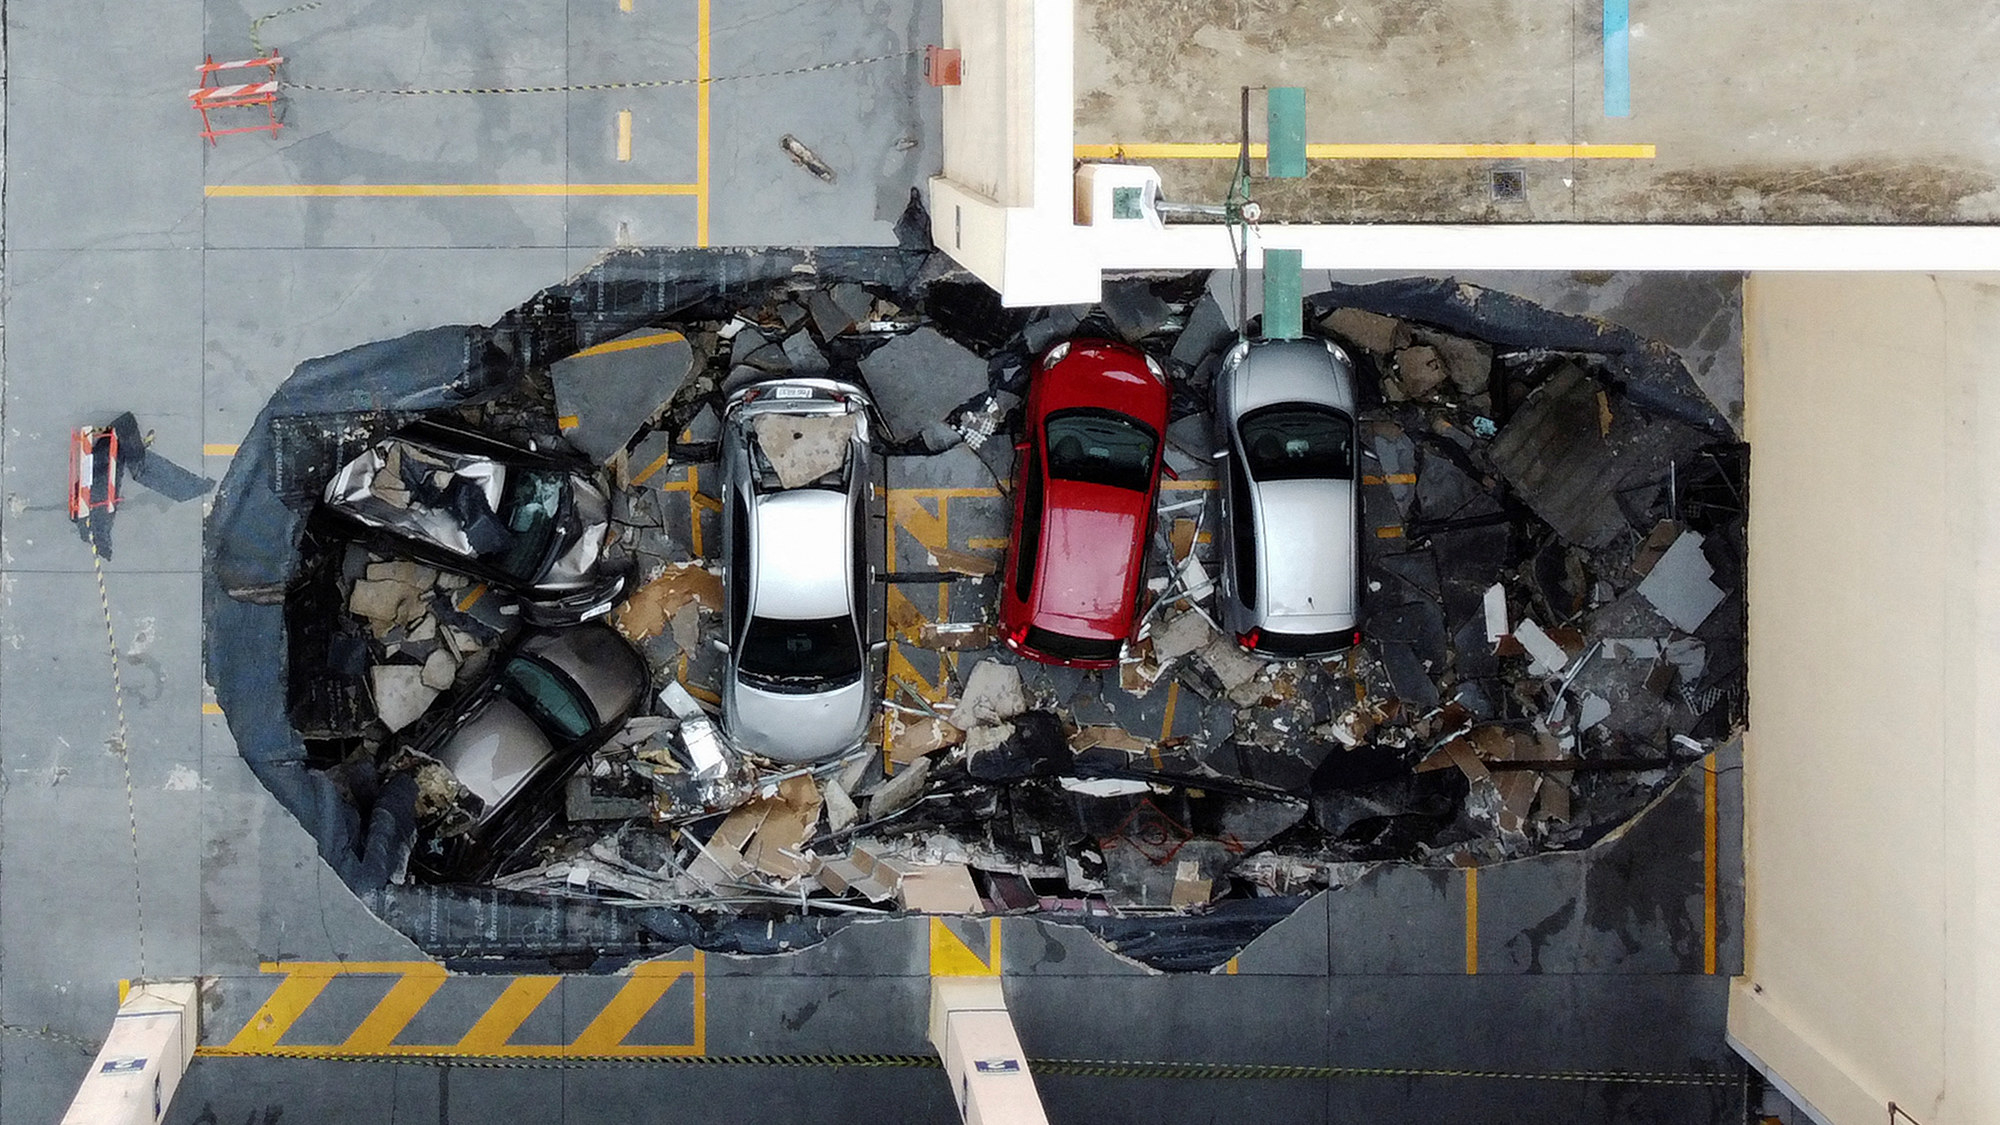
797,473
1285,450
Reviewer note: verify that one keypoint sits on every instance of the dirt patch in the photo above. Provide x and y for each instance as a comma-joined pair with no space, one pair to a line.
1859,192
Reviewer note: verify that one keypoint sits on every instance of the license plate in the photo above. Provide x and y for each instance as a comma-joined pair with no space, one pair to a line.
791,392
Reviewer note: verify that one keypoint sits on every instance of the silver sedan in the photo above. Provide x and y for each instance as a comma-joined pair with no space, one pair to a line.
1285,448
796,477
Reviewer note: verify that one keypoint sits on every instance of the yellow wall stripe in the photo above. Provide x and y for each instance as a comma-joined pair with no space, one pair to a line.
1227,151
952,957
343,191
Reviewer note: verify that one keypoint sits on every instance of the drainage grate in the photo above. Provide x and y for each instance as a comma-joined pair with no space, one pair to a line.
1510,185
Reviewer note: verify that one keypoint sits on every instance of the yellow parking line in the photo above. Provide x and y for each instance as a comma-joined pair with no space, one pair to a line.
219,449
701,123
1166,724
627,343
344,191
649,471
471,597
1227,151
1391,478
1472,920
1708,865
984,543
1186,485
1388,533
624,135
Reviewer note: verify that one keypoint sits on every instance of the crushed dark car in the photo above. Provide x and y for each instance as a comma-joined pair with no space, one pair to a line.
511,738
525,522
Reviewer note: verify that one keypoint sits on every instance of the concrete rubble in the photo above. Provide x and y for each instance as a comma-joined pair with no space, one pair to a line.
1548,629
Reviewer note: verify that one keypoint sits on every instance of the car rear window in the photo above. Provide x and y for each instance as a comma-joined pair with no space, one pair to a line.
802,655
1294,441
1100,447
530,510
1066,647
1301,644
544,694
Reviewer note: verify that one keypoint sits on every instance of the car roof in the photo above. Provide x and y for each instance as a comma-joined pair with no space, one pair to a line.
1084,578
1274,371
1306,540
800,554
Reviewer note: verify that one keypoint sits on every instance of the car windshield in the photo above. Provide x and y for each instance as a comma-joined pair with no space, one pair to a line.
546,696
1298,442
530,510
1100,447
810,654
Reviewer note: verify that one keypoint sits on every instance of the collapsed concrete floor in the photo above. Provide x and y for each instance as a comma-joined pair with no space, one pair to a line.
1552,543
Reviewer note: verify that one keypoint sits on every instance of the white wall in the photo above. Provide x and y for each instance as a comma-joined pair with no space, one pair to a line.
1872,765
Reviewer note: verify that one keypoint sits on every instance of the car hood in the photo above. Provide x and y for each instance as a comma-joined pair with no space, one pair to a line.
1092,543
1307,527
495,753
796,728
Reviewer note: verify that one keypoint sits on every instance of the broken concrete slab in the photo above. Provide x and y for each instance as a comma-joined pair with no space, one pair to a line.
1134,309
1207,332
1419,371
1557,460
606,393
899,791
911,739
1679,584
929,374
992,695
1369,331
804,356
803,448
1179,635
1058,322
1468,364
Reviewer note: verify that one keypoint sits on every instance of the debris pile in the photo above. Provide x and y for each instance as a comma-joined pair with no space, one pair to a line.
1552,570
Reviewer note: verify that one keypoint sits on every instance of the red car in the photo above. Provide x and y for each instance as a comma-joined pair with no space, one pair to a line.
1088,472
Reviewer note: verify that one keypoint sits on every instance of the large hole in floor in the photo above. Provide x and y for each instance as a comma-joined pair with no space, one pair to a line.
1549,515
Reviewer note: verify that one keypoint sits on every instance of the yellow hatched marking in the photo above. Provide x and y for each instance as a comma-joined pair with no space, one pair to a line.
566,422
952,957
499,1022
606,1034
694,512
419,981
986,543
471,597
393,1013
211,708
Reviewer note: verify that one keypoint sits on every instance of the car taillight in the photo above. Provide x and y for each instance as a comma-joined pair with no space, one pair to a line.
838,397
1016,636
1355,639
1249,639
751,396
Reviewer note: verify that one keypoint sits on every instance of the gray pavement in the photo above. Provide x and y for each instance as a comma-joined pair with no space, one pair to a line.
127,287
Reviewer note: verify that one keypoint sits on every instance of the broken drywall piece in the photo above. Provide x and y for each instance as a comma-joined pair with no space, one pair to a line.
910,740
401,695
954,636
1370,331
1496,613
961,562
1546,655
1679,584
1180,635
992,694
1592,710
649,609
944,888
